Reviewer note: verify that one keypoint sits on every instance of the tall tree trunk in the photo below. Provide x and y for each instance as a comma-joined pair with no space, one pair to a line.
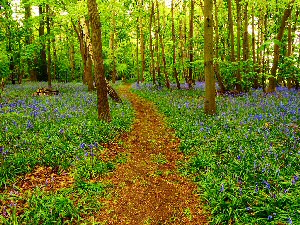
217,40
48,46
42,75
175,73
239,24
272,79
210,92
255,70
137,51
152,67
28,41
246,39
103,105
162,46
246,36
142,47
231,31
191,43
72,61
157,52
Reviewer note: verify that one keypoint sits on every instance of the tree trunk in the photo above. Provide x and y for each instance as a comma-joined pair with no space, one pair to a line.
42,75
246,36
191,43
72,61
239,24
48,47
255,70
162,47
210,92
231,32
137,51
157,52
272,79
217,39
152,67
175,73
103,105
142,47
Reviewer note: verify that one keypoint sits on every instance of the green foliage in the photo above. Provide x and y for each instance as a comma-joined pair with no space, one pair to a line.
245,158
55,131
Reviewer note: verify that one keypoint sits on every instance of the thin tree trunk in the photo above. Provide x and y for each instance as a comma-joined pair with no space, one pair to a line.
231,32
162,46
48,47
157,52
239,24
210,92
42,75
152,67
217,39
137,51
72,61
103,105
255,70
191,43
272,79
142,47
175,73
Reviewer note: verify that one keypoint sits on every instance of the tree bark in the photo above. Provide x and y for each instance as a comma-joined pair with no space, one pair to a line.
103,105
210,92
162,47
142,47
239,24
42,75
255,70
175,73
191,43
217,40
48,47
152,66
272,79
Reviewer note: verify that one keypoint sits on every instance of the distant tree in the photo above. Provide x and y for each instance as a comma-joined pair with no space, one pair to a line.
286,15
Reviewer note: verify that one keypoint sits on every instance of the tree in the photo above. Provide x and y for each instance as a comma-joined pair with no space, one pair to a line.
286,15
103,105
210,92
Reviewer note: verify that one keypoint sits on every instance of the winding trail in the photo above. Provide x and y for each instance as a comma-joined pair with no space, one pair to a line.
148,189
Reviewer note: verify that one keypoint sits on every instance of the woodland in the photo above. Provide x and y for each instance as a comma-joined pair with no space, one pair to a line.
149,112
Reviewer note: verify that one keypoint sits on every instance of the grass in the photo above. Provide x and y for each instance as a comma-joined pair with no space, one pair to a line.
61,132
245,159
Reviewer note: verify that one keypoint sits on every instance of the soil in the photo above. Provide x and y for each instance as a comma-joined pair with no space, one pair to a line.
148,188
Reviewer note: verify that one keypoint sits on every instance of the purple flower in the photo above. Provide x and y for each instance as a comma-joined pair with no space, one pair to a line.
248,208
270,217
268,186
29,125
256,188
82,145
222,188
289,221
239,157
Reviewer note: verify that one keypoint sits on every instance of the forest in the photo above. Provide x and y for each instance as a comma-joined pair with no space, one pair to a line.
149,112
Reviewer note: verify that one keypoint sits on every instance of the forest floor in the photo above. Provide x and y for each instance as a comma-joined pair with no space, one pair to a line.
148,188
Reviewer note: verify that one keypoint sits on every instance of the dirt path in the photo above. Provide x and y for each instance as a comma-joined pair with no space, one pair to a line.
148,189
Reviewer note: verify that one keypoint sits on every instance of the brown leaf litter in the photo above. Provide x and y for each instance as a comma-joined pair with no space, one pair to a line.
148,188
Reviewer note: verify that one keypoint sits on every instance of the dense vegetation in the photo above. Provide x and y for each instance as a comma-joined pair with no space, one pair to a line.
61,132
245,159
